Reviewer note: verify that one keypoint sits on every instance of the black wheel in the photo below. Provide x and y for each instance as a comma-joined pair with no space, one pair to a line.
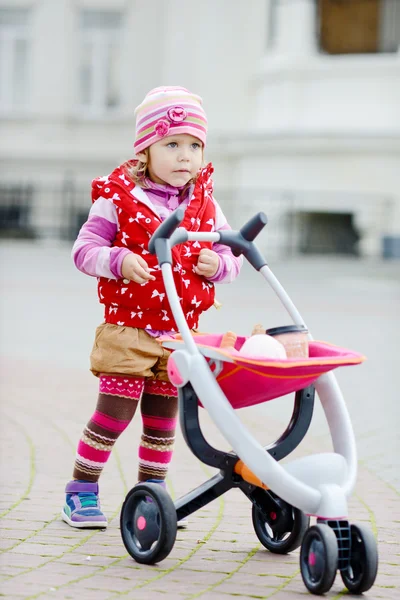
281,527
361,574
319,559
148,523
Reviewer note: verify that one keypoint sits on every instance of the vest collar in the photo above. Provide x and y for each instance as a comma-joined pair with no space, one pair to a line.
139,194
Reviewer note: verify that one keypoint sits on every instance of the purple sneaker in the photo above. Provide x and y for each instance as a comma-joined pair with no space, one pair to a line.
82,505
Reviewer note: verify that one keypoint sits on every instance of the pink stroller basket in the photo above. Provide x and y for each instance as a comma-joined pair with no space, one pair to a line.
267,379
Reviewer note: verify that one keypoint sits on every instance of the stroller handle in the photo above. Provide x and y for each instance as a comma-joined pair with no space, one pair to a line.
242,241
168,235
164,232
253,227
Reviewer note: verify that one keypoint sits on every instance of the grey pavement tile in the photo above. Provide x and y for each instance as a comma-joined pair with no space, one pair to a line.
25,561
93,549
382,593
22,524
288,560
239,588
8,544
15,535
391,570
10,570
202,564
105,582
235,544
51,540
385,579
76,591
271,569
34,586
217,595
55,594
72,571
179,588
79,558
159,594
51,579
45,550
203,578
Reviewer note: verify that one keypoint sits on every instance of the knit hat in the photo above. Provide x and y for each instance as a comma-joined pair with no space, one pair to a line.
168,111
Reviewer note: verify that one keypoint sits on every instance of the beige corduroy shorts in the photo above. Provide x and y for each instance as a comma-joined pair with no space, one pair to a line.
128,351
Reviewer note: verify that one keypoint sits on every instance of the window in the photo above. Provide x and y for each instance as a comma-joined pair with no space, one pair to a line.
14,58
99,77
271,24
359,26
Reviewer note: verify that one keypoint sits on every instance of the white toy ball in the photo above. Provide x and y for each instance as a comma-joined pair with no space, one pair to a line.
263,346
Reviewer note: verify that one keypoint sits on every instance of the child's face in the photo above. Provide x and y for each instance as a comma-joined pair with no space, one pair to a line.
175,159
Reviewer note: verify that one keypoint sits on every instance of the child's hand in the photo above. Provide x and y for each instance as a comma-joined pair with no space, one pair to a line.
135,268
208,263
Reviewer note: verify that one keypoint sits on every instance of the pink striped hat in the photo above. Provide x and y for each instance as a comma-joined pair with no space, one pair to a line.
168,111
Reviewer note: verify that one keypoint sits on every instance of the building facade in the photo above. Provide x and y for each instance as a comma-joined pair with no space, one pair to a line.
302,96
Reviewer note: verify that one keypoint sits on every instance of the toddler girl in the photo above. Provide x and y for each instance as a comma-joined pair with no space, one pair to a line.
128,206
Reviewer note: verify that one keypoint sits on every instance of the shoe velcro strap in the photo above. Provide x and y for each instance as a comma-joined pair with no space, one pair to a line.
78,487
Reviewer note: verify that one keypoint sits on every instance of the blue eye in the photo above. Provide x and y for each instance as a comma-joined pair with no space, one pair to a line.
195,146
172,145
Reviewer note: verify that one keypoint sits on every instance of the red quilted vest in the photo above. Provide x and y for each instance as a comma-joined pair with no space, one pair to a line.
146,305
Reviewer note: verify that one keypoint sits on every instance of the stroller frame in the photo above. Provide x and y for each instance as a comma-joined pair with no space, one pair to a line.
283,496
228,478
338,469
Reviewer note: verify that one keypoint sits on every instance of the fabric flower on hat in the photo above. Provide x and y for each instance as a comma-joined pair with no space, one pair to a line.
177,114
161,127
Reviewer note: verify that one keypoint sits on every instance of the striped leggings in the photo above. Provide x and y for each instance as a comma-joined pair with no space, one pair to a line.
118,399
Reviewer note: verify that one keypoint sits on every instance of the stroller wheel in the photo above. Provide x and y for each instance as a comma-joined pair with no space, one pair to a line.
319,559
361,574
280,530
148,523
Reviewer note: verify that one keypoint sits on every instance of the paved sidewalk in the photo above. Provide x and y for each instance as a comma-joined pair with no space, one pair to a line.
44,405
218,557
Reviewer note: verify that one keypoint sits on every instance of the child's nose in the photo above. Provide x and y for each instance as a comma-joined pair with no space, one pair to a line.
184,154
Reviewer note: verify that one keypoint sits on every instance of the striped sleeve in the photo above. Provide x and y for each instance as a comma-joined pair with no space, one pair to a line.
229,265
92,252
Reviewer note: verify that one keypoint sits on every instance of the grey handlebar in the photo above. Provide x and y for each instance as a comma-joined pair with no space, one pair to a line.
241,242
167,228
253,227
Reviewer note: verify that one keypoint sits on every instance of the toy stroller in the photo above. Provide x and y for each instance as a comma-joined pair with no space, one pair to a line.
283,497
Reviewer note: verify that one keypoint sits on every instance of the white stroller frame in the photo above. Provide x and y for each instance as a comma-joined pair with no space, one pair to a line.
319,484
283,496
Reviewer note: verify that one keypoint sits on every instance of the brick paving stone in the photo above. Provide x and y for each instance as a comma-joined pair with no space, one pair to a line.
26,589
79,559
237,587
9,570
21,560
105,582
36,549
391,593
216,595
76,590
22,525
